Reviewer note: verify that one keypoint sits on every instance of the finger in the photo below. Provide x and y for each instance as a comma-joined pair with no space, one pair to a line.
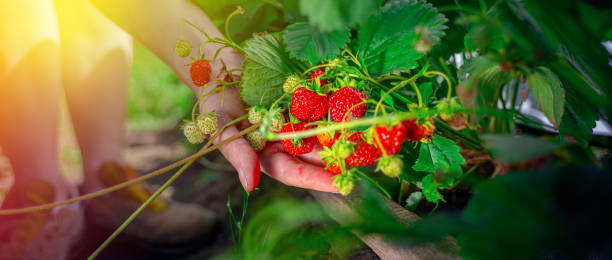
313,157
240,154
293,172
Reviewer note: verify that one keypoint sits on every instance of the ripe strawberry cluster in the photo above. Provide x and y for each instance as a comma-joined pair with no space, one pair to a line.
319,102
314,104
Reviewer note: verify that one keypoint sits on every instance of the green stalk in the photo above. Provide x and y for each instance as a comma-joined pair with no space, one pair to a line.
374,182
135,180
418,93
238,10
389,118
429,74
466,139
398,86
215,40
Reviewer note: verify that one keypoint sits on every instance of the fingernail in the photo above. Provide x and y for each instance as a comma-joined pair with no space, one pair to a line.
243,179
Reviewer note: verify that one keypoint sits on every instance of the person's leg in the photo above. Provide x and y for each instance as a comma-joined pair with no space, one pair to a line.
96,61
29,92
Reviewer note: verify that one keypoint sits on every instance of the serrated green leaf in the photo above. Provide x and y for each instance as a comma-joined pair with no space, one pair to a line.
430,189
442,155
261,86
579,119
307,42
424,162
266,66
517,148
331,15
398,35
547,91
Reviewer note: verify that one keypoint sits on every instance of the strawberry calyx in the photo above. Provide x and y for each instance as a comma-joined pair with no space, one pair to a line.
337,154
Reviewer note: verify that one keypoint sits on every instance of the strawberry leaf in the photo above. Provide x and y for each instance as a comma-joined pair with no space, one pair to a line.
481,79
579,119
331,15
307,42
430,189
547,91
440,154
442,159
398,35
265,69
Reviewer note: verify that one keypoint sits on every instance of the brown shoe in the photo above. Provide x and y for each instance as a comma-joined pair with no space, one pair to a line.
163,225
47,234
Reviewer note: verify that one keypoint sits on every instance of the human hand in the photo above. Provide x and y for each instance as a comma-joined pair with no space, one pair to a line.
157,27
304,171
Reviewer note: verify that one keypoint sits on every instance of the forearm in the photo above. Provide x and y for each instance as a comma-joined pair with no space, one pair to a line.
156,23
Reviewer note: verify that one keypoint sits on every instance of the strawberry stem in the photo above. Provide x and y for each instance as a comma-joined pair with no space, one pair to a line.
215,40
238,10
430,74
365,176
418,93
400,116
205,149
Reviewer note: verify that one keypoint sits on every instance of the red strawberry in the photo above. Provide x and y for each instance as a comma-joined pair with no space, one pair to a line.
325,140
308,105
343,100
364,154
416,132
389,140
334,168
200,72
298,145
316,74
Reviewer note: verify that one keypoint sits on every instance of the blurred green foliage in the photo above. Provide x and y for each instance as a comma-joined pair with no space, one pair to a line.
157,99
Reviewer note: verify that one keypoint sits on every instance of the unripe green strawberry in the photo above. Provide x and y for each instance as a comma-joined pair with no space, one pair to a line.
290,83
345,183
193,133
256,140
391,166
182,48
346,188
448,107
443,106
255,114
207,123
277,122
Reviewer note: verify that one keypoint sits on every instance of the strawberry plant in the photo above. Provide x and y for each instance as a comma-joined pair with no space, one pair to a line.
376,87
